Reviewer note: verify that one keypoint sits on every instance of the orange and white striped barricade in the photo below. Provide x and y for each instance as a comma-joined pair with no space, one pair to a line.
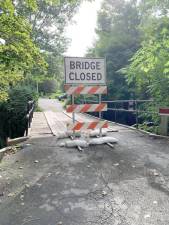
85,90
86,108
78,126
74,108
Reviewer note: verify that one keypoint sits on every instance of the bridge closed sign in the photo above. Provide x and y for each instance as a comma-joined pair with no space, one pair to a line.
89,71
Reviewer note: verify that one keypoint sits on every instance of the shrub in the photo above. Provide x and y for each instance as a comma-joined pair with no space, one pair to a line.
13,113
48,86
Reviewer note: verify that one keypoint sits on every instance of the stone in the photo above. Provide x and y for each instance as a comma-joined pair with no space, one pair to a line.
116,164
146,216
59,223
104,193
11,194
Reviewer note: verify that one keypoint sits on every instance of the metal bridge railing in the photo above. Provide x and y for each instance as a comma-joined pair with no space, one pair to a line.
131,106
29,115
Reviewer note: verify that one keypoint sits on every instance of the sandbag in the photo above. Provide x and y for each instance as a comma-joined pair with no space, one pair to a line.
95,133
66,134
75,143
102,140
62,134
77,133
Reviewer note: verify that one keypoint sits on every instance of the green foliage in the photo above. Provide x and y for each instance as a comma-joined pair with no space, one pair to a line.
48,86
154,7
13,113
118,39
149,68
38,109
18,53
31,35
55,95
151,129
48,22
134,38
25,27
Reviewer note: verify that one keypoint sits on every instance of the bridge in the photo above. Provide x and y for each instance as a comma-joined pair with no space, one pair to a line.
45,184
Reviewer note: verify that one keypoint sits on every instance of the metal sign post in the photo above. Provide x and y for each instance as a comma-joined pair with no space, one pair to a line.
100,113
73,115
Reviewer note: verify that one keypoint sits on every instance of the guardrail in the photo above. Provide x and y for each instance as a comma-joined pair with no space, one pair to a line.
131,106
135,107
138,109
29,115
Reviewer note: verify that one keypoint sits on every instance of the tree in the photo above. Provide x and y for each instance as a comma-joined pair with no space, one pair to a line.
118,40
154,7
18,53
32,30
149,68
48,22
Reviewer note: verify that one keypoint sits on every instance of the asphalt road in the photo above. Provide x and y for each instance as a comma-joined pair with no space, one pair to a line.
127,185
52,104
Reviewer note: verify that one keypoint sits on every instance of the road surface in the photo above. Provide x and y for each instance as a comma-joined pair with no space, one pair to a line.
44,184
52,104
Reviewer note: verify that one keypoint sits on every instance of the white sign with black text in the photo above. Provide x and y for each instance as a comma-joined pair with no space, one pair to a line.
90,71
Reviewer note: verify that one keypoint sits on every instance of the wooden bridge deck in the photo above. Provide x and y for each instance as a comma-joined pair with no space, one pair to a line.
39,126
53,123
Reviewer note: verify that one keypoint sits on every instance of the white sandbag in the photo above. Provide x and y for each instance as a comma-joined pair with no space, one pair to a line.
75,143
102,140
62,134
66,134
77,133
95,133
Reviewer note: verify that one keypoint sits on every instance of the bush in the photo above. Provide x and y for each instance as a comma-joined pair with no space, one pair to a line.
3,125
48,86
13,113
